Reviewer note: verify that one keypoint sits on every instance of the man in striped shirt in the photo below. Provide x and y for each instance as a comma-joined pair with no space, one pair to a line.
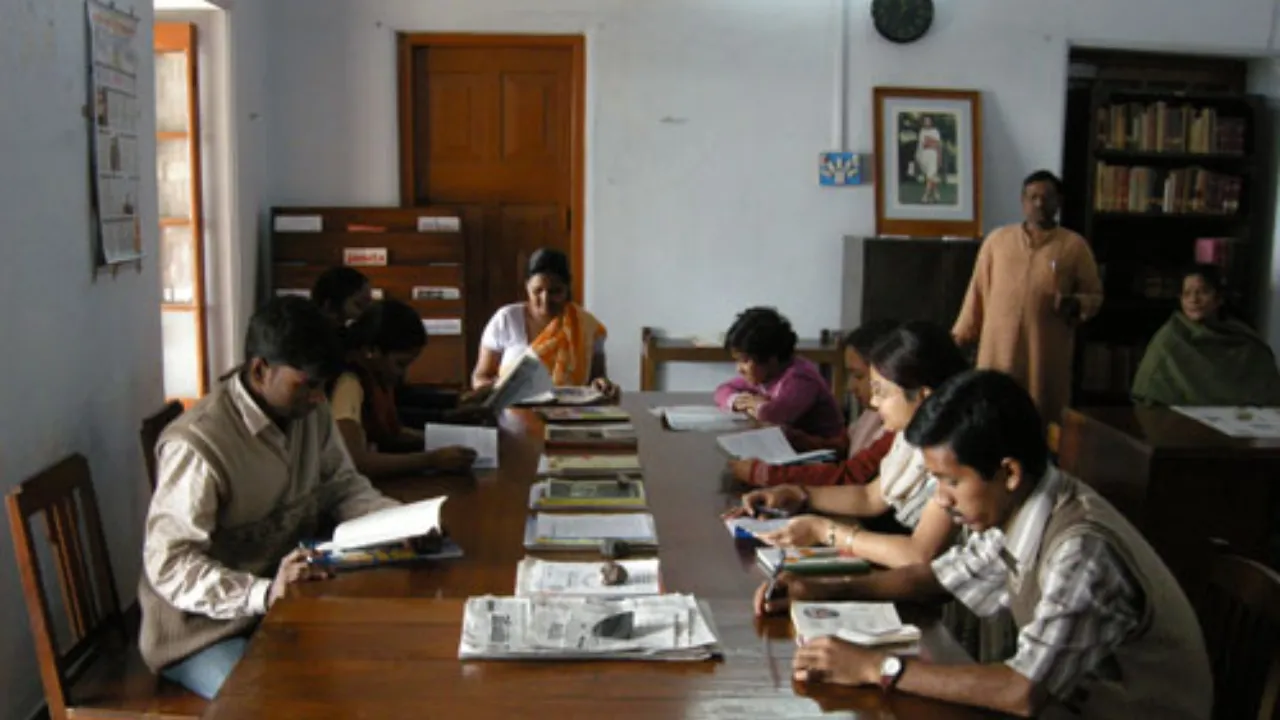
1104,630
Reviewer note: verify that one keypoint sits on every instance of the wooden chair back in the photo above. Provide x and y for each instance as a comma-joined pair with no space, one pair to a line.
1240,615
63,495
152,426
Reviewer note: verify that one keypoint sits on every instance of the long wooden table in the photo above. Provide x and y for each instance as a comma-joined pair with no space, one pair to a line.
383,643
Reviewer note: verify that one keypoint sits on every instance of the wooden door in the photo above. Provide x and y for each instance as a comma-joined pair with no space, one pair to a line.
181,257
492,125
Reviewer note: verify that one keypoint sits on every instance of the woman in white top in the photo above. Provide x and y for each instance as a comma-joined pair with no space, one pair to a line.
565,337
929,158
905,368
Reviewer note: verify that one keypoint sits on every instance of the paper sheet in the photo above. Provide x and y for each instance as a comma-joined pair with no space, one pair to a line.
1238,422
535,576
768,445
484,440
625,526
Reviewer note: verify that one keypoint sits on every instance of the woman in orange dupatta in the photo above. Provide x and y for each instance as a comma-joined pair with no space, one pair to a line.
568,339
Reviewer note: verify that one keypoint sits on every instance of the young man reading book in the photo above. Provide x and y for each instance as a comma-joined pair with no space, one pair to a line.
1104,629
243,477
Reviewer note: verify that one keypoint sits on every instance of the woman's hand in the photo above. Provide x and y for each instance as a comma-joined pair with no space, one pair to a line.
802,531
747,403
740,470
606,388
783,498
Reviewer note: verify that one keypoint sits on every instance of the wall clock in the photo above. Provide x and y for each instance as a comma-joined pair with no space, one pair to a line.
902,21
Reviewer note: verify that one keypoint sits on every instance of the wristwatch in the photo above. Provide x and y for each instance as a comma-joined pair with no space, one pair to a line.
890,670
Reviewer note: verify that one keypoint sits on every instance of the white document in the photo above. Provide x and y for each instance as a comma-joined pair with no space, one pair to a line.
769,445
484,440
701,417
651,627
299,223
442,326
386,526
1238,422
624,526
861,623
545,577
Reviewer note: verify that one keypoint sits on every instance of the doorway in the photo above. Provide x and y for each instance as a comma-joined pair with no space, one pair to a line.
493,125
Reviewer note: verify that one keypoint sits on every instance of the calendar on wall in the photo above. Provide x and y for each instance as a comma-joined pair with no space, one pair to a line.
114,59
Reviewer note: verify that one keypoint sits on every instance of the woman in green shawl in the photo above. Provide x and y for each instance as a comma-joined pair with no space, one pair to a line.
1202,357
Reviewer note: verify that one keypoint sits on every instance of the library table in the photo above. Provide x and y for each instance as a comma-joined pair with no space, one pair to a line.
1178,481
383,643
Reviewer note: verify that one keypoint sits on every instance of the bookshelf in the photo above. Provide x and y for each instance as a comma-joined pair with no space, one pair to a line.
415,255
1163,178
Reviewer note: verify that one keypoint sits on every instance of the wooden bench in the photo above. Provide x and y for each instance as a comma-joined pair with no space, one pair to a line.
101,674
827,352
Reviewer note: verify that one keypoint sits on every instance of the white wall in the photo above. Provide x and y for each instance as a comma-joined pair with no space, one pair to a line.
692,220
82,354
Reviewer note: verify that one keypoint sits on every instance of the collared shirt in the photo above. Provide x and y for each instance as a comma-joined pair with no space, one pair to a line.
181,555
1088,604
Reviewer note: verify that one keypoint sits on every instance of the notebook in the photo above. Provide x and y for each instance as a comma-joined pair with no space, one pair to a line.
613,436
810,561
587,465
621,492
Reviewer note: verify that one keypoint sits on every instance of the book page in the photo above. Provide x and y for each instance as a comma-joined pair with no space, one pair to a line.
526,377
766,444
813,619
625,526
387,526
484,440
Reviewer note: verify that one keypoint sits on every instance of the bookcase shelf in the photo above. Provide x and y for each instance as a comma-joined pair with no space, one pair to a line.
1191,169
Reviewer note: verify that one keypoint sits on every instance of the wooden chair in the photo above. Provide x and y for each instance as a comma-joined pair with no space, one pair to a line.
102,673
1240,616
152,426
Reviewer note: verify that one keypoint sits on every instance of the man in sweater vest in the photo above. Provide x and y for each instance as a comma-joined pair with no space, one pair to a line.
1104,630
244,476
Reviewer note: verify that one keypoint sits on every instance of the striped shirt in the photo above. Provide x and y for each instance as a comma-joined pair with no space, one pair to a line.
905,482
1088,605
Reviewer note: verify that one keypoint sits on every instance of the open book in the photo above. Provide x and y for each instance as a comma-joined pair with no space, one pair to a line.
770,446
861,623
572,395
523,378
386,526
701,417
622,492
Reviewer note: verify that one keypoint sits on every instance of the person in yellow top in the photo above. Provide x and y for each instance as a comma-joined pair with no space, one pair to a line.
381,345
568,339
1032,284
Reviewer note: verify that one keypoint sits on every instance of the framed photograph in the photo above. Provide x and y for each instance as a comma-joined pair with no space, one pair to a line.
928,162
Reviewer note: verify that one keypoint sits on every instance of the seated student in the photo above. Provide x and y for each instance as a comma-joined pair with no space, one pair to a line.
243,477
342,293
568,339
774,385
905,368
864,446
1104,630
381,345
1203,357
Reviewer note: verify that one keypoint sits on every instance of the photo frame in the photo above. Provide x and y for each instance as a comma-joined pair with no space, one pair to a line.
928,162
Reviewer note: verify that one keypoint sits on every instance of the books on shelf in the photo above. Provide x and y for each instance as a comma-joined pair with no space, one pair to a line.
623,492
706,418
1168,127
611,436
384,527
1140,189
861,623
546,577
556,627
810,561
562,531
592,414
587,465
769,445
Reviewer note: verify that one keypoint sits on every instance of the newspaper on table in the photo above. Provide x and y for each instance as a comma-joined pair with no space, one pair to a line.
546,577
654,627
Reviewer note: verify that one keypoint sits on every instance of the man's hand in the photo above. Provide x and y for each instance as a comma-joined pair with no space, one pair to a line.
802,531
1067,307
790,587
295,568
452,459
827,659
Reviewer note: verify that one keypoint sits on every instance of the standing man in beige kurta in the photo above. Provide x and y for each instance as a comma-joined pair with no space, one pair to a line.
1033,283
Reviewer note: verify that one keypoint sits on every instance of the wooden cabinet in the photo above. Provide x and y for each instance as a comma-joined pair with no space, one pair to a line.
416,262
916,279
